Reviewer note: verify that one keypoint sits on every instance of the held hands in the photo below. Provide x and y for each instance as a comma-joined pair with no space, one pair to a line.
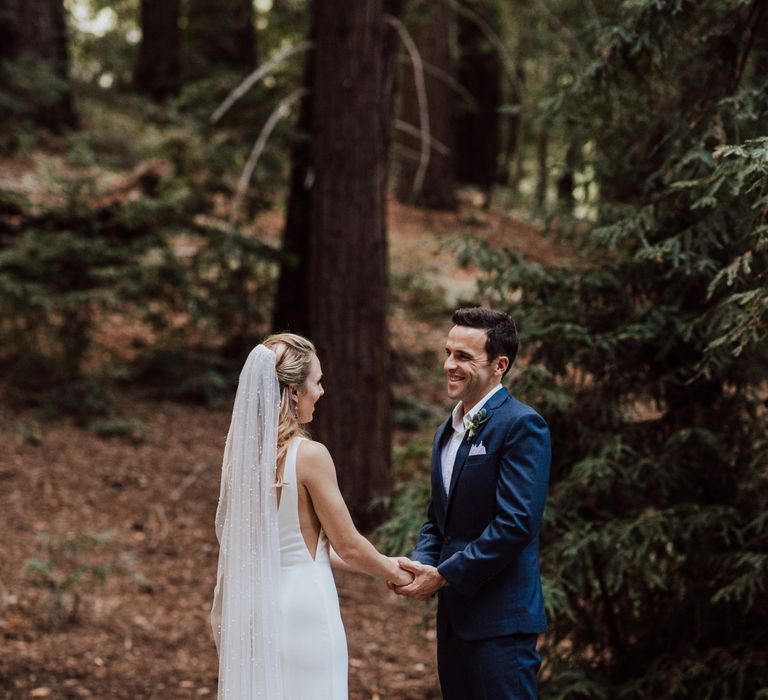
399,577
426,580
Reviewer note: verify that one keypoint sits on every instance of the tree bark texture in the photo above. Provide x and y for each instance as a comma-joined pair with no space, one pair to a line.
292,298
430,29
158,71
220,35
35,31
477,125
348,275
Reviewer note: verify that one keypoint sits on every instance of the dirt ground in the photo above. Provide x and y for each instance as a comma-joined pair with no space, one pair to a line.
143,632
159,496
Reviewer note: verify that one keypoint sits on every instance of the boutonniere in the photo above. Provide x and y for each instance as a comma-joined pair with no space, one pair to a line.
473,424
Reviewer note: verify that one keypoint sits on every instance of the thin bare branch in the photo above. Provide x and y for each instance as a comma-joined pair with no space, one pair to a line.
263,70
406,152
493,37
421,95
436,145
446,78
281,111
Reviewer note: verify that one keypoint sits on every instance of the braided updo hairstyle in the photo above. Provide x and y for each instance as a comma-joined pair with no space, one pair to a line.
293,356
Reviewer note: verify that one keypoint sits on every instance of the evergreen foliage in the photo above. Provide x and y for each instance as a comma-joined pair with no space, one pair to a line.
647,356
189,292
31,89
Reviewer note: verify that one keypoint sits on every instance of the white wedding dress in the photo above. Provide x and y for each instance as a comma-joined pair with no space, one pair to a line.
313,645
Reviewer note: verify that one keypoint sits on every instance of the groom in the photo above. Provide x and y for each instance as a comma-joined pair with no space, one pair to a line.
479,549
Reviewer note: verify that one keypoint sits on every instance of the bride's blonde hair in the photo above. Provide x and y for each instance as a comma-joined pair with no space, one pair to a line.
293,356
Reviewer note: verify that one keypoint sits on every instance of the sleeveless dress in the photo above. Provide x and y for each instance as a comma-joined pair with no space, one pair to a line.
313,645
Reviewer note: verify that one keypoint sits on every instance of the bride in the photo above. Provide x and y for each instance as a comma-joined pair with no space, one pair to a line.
282,524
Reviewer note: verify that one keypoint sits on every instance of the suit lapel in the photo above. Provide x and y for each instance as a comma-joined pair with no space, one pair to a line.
458,465
461,456
437,468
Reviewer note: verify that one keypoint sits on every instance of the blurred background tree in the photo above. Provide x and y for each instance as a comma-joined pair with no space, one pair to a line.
158,71
219,34
480,69
34,68
426,174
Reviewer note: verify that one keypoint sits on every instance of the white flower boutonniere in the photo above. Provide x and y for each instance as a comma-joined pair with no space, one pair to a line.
473,424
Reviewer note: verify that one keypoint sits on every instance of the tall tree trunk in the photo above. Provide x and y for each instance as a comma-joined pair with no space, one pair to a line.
35,31
566,182
510,163
220,35
292,298
158,71
336,234
477,126
431,33
542,167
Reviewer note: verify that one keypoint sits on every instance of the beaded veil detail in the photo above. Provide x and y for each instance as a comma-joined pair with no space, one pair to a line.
245,614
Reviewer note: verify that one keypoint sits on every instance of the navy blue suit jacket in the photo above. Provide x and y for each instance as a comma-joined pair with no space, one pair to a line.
483,537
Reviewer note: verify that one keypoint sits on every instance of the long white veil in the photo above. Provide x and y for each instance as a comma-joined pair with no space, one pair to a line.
244,616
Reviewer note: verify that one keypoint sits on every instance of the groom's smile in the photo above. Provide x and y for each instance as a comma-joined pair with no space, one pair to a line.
469,374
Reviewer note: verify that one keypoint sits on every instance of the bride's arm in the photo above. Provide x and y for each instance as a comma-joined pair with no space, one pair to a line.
354,552
339,564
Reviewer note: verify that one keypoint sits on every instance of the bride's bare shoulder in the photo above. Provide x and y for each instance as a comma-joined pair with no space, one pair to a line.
313,453
314,465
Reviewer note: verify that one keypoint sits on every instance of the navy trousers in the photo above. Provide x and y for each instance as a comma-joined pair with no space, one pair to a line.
499,668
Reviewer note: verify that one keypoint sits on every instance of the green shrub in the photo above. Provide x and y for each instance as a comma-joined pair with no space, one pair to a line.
118,427
70,569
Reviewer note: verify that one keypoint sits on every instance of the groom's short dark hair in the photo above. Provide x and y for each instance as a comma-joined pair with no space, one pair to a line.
502,333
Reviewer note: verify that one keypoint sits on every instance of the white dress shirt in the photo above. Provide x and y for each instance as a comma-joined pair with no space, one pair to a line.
453,443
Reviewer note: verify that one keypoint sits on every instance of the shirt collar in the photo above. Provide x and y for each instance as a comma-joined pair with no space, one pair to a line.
459,419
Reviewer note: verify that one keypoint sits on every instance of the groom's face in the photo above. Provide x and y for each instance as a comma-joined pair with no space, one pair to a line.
469,374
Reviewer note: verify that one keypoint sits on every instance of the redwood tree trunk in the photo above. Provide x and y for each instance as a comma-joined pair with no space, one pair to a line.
477,126
431,32
220,35
35,31
158,71
336,234
292,297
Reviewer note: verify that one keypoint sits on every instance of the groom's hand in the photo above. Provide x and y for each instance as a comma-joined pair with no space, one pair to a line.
392,585
427,580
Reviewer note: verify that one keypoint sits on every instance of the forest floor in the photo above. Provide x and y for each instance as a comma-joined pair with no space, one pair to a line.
143,631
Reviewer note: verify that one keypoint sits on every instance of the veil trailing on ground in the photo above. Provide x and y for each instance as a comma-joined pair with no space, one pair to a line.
244,616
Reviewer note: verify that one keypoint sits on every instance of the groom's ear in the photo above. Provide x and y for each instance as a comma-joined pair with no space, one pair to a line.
501,364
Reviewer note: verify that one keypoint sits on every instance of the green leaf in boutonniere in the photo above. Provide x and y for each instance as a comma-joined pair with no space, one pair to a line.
473,424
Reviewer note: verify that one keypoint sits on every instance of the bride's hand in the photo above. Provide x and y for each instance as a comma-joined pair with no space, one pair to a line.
399,576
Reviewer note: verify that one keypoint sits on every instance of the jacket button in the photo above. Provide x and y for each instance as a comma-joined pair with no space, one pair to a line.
447,539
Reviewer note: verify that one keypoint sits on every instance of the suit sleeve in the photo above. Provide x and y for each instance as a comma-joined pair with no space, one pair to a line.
520,496
429,542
